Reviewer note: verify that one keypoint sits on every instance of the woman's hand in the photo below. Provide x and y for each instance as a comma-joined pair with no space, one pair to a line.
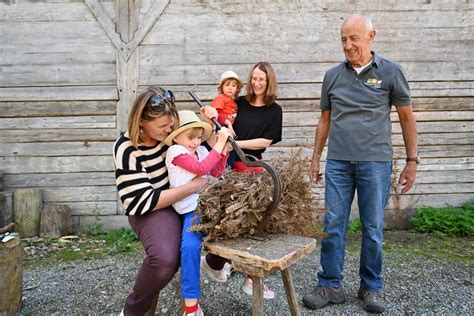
228,124
198,183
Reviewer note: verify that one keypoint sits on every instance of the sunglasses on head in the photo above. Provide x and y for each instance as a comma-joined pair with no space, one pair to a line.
158,103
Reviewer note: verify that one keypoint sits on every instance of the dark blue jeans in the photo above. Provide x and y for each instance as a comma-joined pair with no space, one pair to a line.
371,180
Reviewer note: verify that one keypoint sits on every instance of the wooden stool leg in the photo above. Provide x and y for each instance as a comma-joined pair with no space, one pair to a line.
257,296
290,292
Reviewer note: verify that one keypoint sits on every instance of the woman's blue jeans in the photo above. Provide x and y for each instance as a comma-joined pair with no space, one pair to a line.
371,181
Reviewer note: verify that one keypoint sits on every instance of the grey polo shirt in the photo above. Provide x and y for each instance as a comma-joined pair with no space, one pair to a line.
360,128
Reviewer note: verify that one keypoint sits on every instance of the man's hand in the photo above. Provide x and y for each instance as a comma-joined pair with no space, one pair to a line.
316,174
408,176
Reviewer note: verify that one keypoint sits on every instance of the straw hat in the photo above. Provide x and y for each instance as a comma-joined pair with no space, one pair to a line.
230,75
189,119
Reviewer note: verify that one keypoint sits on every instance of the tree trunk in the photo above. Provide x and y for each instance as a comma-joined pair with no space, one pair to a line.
27,204
11,276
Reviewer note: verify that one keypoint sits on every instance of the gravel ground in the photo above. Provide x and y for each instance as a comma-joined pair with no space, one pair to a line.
413,285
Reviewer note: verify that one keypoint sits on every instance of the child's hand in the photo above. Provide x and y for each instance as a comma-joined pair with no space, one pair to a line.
208,112
229,126
223,135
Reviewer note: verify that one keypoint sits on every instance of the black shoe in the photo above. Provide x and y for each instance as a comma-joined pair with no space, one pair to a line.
322,296
372,301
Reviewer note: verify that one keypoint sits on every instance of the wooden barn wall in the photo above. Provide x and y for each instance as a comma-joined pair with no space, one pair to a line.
59,96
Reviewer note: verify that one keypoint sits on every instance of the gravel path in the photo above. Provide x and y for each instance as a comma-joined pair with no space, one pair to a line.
414,285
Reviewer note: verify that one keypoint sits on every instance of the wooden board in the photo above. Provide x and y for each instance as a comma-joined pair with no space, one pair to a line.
277,253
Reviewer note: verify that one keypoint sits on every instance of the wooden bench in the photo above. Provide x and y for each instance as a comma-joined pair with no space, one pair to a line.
260,258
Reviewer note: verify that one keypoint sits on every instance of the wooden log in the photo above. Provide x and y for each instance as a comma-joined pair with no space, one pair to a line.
2,202
7,228
56,221
2,210
27,205
11,275
8,207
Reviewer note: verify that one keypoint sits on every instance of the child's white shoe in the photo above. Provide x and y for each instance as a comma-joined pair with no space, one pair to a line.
227,269
247,288
216,275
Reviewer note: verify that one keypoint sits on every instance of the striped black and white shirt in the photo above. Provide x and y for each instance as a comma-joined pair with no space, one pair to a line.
140,174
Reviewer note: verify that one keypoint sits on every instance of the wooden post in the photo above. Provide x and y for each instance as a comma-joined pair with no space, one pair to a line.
2,203
27,205
8,210
127,70
11,275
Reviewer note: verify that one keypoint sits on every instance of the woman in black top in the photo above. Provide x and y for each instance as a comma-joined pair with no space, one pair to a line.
259,118
258,125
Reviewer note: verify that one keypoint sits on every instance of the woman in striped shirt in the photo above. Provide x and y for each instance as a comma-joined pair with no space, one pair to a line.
143,187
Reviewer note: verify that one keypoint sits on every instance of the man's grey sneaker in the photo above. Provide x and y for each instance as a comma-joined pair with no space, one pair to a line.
372,301
322,296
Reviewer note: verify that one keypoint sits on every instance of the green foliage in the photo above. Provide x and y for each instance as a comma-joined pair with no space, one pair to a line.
468,206
402,245
85,247
70,254
119,240
446,221
96,227
355,226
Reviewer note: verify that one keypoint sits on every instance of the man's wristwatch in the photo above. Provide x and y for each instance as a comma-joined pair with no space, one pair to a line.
415,159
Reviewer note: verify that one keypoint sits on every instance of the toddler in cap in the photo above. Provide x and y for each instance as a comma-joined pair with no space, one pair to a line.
229,89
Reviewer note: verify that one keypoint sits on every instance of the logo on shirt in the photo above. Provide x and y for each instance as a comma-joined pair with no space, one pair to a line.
373,82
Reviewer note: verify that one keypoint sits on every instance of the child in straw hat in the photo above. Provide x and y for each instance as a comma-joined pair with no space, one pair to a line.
186,159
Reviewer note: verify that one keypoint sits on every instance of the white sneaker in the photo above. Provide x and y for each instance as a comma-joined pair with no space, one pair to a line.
215,275
199,312
227,269
121,313
247,288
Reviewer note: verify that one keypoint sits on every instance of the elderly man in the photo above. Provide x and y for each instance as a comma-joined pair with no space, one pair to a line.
356,99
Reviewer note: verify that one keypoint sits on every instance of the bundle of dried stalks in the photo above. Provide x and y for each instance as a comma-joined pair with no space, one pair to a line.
235,205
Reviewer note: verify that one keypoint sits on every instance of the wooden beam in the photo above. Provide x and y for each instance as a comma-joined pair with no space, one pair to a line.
109,27
127,69
150,19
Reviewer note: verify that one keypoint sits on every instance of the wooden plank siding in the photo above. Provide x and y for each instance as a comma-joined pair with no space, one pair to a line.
65,89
